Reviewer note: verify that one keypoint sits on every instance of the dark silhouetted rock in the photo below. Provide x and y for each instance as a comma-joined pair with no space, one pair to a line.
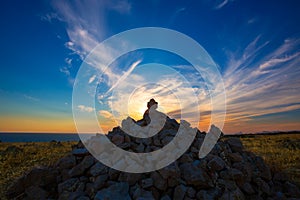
235,144
227,172
117,191
79,169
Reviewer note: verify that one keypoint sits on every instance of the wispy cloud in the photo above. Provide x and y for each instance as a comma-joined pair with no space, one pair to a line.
125,75
49,17
105,114
86,21
31,98
221,4
93,77
85,26
258,84
84,108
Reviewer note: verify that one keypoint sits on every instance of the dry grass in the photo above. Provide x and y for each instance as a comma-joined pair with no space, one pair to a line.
17,158
281,152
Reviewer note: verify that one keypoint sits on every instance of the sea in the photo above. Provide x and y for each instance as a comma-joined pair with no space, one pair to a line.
38,137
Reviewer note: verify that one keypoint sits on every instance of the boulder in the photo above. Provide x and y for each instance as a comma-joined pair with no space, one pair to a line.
235,144
79,169
216,164
195,176
117,191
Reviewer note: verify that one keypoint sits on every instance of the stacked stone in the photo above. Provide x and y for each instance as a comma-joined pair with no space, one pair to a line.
227,172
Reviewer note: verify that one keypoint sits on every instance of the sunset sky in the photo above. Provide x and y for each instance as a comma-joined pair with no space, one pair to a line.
254,44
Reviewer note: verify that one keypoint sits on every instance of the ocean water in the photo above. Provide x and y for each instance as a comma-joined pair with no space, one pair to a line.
37,137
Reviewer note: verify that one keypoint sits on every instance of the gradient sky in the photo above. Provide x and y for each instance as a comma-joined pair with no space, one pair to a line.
254,43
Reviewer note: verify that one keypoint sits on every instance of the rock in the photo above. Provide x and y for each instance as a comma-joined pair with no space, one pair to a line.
263,186
146,183
166,140
80,152
66,162
236,194
113,174
90,190
179,192
171,170
117,191
100,181
265,171
130,178
235,144
158,181
16,188
216,164
117,139
235,157
185,158
280,176
165,197
98,169
40,176
142,194
78,196
227,172
291,189
247,188
35,192
140,148
226,184
195,176
191,192
232,174
69,185
79,169
210,194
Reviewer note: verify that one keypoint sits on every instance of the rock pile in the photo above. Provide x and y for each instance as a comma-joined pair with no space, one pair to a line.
227,172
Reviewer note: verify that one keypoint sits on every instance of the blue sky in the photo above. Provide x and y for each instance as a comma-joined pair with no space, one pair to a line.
254,43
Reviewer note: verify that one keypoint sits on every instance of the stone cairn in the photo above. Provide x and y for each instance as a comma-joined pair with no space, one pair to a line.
227,172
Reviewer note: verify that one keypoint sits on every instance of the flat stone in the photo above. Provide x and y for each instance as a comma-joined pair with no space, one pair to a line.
100,181
170,171
216,164
179,192
232,174
191,192
235,157
130,178
263,186
236,194
69,185
66,162
158,181
35,192
79,169
117,139
117,191
195,176
80,152
98,169
247,188
146,183
141,194
78,196
235,144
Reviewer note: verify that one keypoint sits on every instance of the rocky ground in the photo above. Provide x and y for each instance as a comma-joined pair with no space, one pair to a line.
227,172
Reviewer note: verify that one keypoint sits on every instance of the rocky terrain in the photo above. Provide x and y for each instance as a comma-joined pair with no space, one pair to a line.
227,172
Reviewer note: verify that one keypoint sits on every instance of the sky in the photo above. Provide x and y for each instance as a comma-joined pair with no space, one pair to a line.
254,46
